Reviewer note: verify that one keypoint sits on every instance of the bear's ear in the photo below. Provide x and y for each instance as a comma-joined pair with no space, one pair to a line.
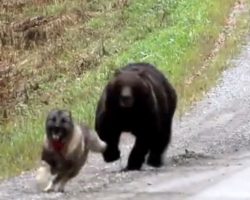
141,73
109,87
117,72
143,76
146,78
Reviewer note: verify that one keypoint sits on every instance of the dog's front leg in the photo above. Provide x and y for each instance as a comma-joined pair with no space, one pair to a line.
72,173
50,187
62,185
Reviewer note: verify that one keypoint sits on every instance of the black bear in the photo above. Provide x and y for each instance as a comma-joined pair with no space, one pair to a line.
139,99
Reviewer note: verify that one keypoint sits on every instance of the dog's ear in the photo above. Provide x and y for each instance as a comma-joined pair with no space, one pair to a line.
50,114
68,114
52,111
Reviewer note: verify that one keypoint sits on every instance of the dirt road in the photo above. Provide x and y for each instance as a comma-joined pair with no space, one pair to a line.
215,132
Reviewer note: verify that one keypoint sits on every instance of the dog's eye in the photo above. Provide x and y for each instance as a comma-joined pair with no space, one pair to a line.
63,120
53,119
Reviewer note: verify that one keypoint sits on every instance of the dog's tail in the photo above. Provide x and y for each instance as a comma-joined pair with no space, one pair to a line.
95,144
43,175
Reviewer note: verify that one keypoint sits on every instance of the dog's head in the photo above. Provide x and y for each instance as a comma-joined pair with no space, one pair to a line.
59,126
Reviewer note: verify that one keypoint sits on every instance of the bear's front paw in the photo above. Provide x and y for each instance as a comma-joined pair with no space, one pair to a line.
111,156
154,161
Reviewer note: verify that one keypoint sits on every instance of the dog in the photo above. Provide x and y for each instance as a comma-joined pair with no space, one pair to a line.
65,150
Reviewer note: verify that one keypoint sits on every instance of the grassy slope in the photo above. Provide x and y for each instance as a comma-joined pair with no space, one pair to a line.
175,35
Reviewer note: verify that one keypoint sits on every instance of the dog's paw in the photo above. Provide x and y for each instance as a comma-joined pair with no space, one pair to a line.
49,188
61,190
61,187
43,176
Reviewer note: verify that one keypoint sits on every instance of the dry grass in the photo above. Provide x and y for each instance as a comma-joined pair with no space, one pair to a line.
30,47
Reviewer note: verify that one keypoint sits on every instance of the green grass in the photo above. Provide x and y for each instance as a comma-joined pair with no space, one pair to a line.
175,35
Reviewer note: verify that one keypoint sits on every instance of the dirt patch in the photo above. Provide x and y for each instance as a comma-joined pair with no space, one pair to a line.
37,30
187,158
12,5
19,5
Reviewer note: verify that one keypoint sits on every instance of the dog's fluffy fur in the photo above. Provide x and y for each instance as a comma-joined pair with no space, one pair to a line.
60,163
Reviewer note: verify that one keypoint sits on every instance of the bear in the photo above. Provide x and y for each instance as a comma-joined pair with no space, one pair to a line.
138,99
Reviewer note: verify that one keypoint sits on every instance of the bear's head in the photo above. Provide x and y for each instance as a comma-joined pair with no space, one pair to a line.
128,89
